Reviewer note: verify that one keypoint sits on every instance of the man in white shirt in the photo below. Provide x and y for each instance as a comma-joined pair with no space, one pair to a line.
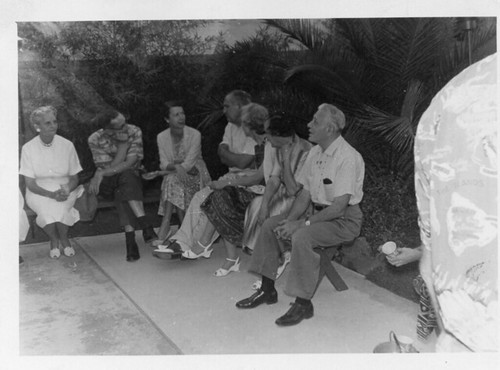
237,152
324,213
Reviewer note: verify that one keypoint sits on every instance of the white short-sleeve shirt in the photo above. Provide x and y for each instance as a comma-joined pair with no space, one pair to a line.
238,142
337,171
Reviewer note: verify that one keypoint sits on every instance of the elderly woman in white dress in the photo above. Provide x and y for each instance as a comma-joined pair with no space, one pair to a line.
50,165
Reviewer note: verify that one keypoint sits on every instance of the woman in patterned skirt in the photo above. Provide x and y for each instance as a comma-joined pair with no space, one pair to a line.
226,206
181,164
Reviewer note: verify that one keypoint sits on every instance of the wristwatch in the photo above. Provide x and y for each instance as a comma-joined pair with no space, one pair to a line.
307,221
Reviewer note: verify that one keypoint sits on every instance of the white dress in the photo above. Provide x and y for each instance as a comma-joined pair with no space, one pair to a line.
51,167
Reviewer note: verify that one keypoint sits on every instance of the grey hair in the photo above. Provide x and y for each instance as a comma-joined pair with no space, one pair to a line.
336,115
257,115
38,113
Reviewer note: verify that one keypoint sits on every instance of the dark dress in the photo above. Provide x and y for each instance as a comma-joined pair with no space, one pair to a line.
225,208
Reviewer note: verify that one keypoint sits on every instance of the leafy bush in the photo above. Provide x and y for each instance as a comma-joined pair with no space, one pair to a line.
390,212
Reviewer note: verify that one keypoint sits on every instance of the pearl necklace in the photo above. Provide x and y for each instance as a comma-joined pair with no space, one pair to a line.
47,145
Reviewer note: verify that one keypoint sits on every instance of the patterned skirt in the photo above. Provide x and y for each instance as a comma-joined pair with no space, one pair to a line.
426,319
180,193
225,208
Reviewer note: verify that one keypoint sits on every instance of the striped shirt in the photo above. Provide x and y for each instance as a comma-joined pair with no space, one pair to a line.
104,149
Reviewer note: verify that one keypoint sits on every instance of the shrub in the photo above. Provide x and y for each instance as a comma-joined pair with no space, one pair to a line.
390,211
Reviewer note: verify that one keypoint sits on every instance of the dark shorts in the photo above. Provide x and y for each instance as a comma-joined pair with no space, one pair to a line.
123,187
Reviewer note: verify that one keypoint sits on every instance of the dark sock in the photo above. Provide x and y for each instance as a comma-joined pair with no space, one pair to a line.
302,301
143,222
130,236
267,284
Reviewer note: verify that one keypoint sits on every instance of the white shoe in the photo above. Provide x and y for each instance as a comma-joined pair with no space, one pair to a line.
190,255
69,251
55,253
235,267
281,268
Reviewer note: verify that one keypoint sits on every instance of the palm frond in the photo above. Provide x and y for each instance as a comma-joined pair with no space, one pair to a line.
209,120
413,97
397,131
306,31
329,77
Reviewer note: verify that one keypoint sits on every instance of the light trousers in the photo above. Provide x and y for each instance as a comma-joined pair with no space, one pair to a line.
303,274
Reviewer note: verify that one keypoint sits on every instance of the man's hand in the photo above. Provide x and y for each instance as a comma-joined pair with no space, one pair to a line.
286,228
95,183
121,138
223,147
405,255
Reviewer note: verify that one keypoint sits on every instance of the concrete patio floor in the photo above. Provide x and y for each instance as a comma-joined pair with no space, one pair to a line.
158,307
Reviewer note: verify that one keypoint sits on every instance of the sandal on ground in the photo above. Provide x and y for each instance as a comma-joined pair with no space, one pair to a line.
158,242
235,267
55,253
69,251
190,255
170,251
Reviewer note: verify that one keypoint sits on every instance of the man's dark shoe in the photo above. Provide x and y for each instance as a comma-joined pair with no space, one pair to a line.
296,314
132,251
258,298
149,234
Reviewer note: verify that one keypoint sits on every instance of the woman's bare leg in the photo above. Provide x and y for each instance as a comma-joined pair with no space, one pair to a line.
62,230
165,222
231,254
51,231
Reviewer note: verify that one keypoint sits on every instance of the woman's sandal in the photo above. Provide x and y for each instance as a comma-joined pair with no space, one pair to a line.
156,243
172,250
235,267
69,251
190,255
55,253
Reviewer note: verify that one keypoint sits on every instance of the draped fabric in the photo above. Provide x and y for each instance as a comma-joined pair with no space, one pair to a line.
281,201
225,208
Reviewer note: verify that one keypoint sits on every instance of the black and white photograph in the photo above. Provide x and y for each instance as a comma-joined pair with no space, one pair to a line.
249,185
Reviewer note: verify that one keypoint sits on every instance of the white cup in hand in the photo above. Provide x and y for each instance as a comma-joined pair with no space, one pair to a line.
390,249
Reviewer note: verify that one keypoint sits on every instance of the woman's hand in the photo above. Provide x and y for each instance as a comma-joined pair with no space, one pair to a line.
60,195
181,173
285,151
150,175
219,184
405,255
263,214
